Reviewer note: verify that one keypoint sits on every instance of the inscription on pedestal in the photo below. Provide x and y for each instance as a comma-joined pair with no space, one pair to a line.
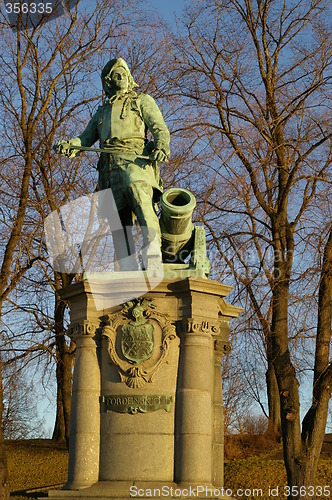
139,403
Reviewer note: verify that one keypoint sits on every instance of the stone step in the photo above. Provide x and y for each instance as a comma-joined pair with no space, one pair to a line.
120,491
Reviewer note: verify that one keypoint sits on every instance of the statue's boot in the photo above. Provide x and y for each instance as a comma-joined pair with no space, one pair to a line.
141,197
124,244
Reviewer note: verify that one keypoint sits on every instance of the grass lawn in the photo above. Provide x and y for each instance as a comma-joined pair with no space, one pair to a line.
38,465
34,464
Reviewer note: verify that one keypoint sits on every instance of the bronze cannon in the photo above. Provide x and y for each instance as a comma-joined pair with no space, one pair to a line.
180,238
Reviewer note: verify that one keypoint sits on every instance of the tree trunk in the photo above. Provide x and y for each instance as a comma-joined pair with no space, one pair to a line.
4,489
288,387
59,432
314,422
274,425
65,361
273,395
67,365
301,451
64,385
285,373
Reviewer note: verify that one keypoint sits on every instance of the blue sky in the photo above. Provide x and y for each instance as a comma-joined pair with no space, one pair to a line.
167,7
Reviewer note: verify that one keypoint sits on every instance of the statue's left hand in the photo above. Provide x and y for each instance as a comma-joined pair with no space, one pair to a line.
158,155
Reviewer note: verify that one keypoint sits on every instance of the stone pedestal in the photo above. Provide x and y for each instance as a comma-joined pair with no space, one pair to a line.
147,398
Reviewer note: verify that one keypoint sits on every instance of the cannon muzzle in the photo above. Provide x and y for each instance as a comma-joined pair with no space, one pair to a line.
177,229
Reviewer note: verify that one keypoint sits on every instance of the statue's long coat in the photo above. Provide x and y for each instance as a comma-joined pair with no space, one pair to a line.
121,124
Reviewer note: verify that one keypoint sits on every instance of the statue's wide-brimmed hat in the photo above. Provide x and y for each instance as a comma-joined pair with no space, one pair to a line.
111,66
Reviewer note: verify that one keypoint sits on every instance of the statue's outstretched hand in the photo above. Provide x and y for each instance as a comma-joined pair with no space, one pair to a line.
67,148
158,155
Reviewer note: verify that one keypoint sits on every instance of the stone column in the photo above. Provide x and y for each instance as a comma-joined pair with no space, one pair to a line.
84,441
221,347
194,405
218,424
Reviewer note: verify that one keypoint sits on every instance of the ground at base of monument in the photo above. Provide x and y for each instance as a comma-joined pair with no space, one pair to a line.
120,490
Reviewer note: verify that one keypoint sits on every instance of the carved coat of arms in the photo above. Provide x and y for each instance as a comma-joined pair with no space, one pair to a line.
137,342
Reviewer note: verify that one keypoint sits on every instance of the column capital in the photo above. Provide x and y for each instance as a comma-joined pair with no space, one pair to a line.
82,329
199,326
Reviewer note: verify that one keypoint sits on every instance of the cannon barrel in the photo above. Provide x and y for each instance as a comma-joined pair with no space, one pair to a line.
176,225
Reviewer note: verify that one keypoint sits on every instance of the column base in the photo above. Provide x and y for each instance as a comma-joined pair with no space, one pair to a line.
120,490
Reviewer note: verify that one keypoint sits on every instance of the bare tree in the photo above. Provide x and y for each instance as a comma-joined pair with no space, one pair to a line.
20,419
68,104
254,76
39,66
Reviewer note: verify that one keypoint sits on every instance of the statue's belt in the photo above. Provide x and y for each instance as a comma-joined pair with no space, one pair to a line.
108,151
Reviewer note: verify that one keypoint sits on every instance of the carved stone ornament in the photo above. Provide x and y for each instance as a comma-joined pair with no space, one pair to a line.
84,328
189,325
222,346
137,343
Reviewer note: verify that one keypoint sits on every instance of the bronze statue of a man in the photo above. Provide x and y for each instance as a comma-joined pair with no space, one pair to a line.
121,126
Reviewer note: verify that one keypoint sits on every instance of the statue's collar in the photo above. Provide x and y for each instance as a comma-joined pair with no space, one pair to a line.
120,97
127,100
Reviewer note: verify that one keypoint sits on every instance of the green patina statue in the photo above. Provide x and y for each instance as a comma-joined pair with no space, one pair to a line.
128,164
